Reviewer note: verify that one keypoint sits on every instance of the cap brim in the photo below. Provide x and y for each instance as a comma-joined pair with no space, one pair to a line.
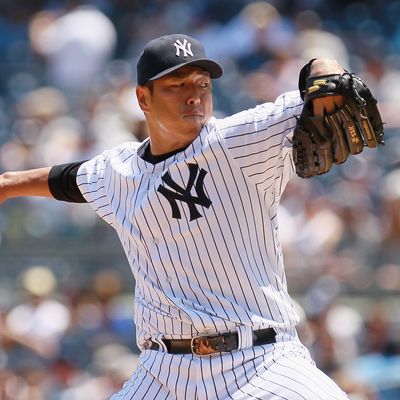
210,66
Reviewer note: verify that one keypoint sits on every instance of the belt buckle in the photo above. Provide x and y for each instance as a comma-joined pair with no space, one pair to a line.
207,345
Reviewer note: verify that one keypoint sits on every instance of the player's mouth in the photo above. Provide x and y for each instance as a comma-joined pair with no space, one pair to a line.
193,114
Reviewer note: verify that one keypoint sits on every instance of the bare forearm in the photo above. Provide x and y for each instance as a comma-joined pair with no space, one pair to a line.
33,182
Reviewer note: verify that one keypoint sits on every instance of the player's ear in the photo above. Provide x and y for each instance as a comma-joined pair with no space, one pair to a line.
143,95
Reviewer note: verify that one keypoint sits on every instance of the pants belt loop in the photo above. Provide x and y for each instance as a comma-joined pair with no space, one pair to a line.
245,337
159,340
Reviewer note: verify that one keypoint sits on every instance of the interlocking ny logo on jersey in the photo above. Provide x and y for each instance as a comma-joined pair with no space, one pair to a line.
186,47
179,193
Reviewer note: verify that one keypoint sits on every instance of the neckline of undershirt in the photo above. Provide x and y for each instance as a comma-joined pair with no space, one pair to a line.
152,159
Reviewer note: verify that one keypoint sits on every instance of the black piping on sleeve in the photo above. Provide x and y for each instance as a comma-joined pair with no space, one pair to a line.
62,183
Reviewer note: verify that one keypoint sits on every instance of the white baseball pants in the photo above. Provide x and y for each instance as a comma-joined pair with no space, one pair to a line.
276,371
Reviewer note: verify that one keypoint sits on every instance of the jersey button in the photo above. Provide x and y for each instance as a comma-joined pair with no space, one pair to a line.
169,279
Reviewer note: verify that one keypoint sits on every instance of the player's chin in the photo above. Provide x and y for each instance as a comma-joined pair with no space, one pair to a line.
194,124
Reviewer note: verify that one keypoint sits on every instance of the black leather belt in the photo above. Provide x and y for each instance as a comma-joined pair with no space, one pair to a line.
206,345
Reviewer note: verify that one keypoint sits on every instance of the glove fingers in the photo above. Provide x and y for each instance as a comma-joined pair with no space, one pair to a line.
353,135
339,143
323,138
375,119
367,114
321,129
367,130
341,148
364,125
324,160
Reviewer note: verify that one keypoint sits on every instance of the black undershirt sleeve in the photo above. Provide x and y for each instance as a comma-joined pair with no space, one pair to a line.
62,183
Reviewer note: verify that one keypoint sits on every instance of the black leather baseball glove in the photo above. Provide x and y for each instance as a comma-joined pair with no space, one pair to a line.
318,142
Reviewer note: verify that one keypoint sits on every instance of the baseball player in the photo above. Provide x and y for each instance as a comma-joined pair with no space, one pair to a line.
195,207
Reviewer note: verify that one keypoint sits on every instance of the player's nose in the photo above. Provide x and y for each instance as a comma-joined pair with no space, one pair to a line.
193,96
194,100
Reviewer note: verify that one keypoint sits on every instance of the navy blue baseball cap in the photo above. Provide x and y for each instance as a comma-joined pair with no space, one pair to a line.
167,53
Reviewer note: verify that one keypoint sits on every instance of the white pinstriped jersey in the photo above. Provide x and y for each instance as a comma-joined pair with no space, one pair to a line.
200,228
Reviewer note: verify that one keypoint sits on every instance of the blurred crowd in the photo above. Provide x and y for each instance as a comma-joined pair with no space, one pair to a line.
67,78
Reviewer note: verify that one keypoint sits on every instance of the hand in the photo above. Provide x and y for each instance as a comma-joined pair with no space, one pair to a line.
32,182
3,196
325,66
328,136
327,104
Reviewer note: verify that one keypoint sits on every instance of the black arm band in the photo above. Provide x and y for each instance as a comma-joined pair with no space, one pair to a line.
304,74
62,183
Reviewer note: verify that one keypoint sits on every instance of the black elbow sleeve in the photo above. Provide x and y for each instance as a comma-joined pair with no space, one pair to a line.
62,183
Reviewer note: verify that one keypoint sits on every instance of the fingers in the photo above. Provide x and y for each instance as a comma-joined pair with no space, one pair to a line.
325,66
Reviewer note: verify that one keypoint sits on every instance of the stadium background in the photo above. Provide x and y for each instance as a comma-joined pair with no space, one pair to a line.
66,93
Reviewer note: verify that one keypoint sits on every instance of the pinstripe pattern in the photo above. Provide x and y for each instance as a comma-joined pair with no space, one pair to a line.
280,371
208,259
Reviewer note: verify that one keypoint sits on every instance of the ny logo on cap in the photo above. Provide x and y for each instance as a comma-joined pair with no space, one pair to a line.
186,47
